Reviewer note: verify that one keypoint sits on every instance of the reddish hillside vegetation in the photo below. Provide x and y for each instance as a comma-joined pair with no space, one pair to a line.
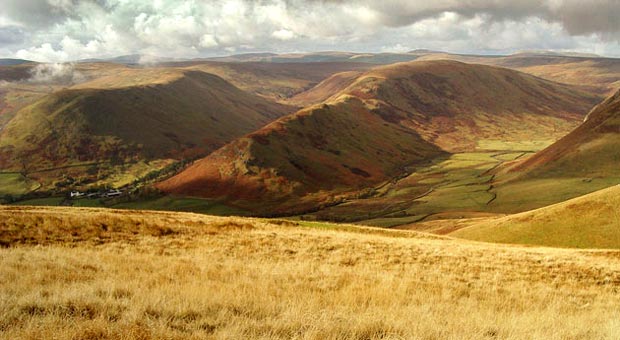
385,120
338,147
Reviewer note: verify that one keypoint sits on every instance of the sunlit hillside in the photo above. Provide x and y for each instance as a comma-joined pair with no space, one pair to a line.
590,221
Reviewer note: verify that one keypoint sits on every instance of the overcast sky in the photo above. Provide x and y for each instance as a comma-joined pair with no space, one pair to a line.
64,30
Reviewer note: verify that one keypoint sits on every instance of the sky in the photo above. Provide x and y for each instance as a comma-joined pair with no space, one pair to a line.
66,30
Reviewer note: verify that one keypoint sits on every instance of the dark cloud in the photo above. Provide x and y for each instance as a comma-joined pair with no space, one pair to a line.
400,13
37,14
588,17
577,16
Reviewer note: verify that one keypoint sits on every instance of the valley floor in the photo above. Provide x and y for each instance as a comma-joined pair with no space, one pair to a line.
463,185
96,274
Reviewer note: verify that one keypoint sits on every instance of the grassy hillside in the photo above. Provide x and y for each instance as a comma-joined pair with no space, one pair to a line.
590,221
601,74
385,120
14,183
17,92
444,191
591,150
13,72
182,118
150,114
457,106
593,73
145,275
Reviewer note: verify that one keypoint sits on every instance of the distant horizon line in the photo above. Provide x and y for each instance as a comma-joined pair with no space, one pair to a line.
567,53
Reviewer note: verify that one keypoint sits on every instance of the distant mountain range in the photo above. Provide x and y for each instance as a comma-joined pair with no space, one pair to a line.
9,61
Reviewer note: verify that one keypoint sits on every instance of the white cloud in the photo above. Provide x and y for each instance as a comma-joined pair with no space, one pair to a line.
283,34
208,41
398,48
6,21
61,30
43,53
55,73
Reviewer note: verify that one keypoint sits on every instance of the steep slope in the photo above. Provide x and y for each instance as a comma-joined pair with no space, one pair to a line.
23,84
134,114
591,150
385,120
590,221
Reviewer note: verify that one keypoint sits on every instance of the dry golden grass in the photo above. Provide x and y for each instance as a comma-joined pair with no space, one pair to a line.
589,221
183,276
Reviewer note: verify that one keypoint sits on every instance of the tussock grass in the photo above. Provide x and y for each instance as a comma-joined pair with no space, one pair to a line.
233,278
45,226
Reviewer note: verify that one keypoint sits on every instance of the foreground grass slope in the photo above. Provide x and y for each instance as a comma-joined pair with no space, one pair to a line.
590,221
106,274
